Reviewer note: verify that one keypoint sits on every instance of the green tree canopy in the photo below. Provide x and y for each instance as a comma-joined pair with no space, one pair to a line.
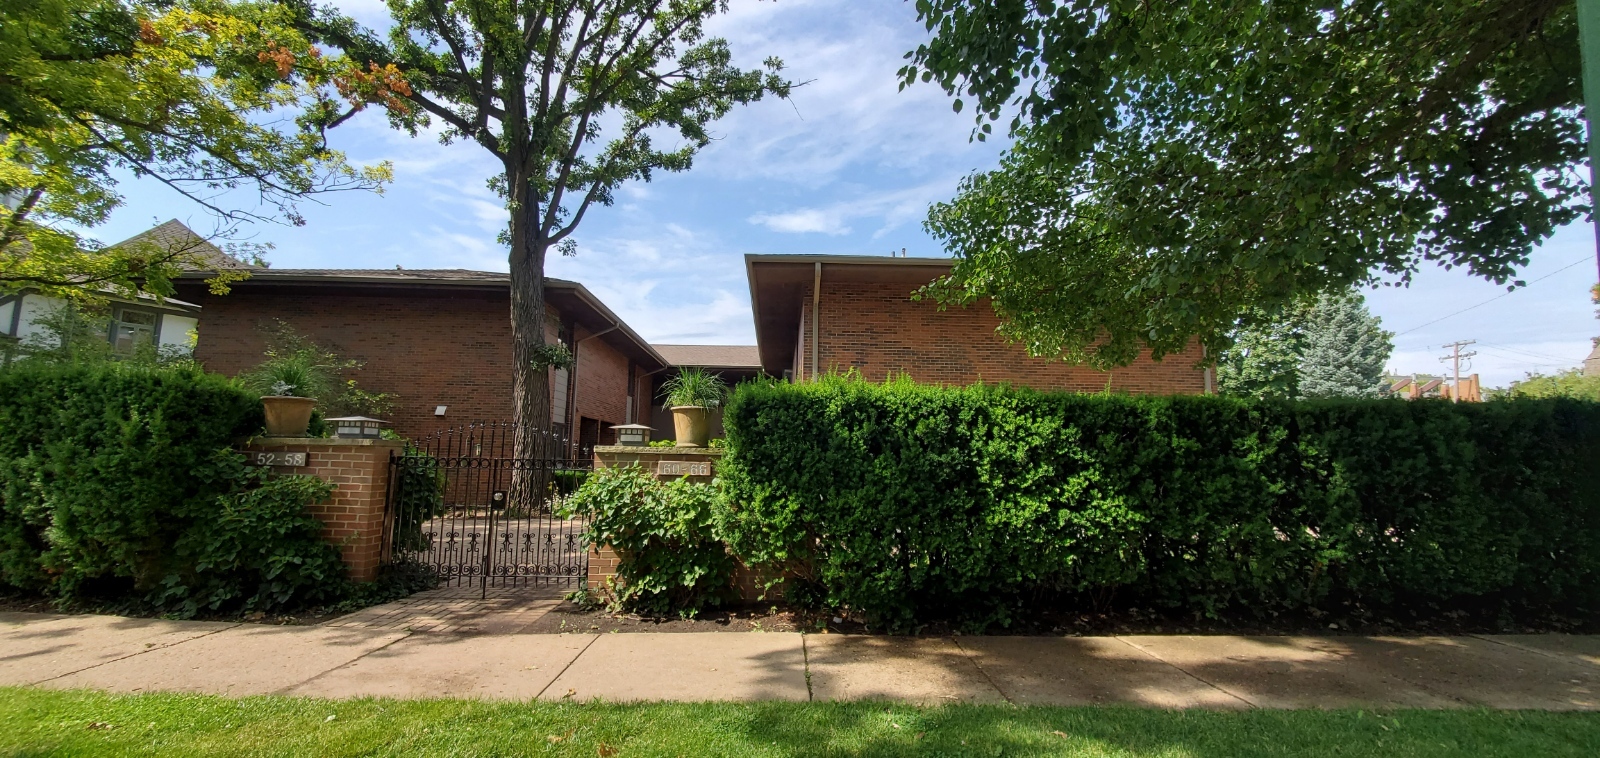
568,95
1569,383
190,93
1179,163
1263,357
1325,346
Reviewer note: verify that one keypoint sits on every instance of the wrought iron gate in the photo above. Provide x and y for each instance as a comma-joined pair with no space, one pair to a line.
461,502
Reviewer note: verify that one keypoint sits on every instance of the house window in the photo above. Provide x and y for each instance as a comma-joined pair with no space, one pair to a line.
130,329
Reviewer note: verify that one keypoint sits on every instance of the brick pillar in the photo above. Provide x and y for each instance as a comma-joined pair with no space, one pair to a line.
667,463
353,518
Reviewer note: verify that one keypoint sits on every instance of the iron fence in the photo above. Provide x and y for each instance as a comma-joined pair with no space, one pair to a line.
464,503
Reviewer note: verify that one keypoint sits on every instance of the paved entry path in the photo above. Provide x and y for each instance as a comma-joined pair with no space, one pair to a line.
372,659
466,610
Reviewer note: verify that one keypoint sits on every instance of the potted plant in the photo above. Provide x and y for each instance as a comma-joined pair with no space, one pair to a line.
288,395
691,395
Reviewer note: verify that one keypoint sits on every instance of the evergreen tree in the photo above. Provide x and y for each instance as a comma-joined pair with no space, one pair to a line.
1345,348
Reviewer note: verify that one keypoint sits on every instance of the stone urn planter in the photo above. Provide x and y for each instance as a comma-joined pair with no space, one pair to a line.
692,424
287,416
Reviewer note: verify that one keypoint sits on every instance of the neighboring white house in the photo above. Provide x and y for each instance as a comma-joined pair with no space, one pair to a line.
168,324
133,322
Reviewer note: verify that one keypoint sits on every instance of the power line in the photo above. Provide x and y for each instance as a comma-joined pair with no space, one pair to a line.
1528,353
1584,259
1518,361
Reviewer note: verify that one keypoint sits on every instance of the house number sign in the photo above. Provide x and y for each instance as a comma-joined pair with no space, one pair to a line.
278,458
683,468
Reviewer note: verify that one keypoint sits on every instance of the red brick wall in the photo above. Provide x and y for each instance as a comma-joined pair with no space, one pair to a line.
353,518
428,348
878,330
602,384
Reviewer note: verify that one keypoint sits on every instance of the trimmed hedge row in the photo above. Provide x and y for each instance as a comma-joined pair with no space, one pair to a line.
117,482
911,502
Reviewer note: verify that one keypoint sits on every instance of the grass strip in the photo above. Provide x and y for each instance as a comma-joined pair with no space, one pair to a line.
48,722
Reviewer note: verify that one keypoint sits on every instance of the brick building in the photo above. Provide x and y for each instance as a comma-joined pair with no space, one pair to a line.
439,340
821,313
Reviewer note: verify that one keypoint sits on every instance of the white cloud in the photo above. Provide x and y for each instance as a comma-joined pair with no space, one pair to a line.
824,221
671,282
892,208
850,112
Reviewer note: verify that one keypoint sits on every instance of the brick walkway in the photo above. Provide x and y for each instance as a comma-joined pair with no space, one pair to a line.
506,610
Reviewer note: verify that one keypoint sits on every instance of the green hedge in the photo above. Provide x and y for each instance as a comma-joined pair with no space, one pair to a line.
117,483
911,502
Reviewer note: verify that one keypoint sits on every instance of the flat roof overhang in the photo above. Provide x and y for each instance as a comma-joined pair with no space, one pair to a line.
778,285
576,302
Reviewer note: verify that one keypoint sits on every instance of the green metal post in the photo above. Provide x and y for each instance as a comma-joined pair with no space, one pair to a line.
1589,34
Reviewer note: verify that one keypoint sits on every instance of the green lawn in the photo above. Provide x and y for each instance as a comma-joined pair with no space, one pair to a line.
39,722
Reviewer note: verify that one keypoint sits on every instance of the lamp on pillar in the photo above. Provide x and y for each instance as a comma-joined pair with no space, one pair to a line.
356,427
632,435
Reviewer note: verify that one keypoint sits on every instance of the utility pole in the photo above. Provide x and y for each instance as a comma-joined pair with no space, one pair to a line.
1455,357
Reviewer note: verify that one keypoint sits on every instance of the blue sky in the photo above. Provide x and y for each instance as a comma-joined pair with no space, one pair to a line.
848,166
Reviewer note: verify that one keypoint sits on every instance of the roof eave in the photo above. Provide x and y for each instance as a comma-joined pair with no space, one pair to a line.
605,313
265,276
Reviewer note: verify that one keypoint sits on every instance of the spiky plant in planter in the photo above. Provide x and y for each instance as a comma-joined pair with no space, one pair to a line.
690,395
289,386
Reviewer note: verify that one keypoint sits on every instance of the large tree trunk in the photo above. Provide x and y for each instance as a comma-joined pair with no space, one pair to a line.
530,379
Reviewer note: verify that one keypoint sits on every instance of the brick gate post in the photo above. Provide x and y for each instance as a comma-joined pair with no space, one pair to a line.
353,518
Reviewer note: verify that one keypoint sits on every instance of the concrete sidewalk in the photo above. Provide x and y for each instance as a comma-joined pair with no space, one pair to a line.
143,655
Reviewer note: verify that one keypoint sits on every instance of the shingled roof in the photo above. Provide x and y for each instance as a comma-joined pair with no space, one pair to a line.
399,274
711,356
174,236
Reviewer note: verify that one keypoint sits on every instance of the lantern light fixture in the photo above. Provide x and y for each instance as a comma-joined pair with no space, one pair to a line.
356,427
632,435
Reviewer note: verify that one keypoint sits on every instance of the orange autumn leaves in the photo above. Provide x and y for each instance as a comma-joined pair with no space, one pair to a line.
384,84
378,84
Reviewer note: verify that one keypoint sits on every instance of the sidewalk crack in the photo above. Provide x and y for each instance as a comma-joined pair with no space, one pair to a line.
563,670
1552,655
992,683
321,674
138,652
805,662
1189,673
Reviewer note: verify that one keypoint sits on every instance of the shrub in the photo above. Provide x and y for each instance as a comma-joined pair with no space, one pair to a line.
564,482
670,558
117,483
298,366
910,503
418,497
259,551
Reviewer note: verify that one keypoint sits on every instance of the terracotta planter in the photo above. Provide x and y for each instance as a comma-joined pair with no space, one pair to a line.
287,416
693,425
